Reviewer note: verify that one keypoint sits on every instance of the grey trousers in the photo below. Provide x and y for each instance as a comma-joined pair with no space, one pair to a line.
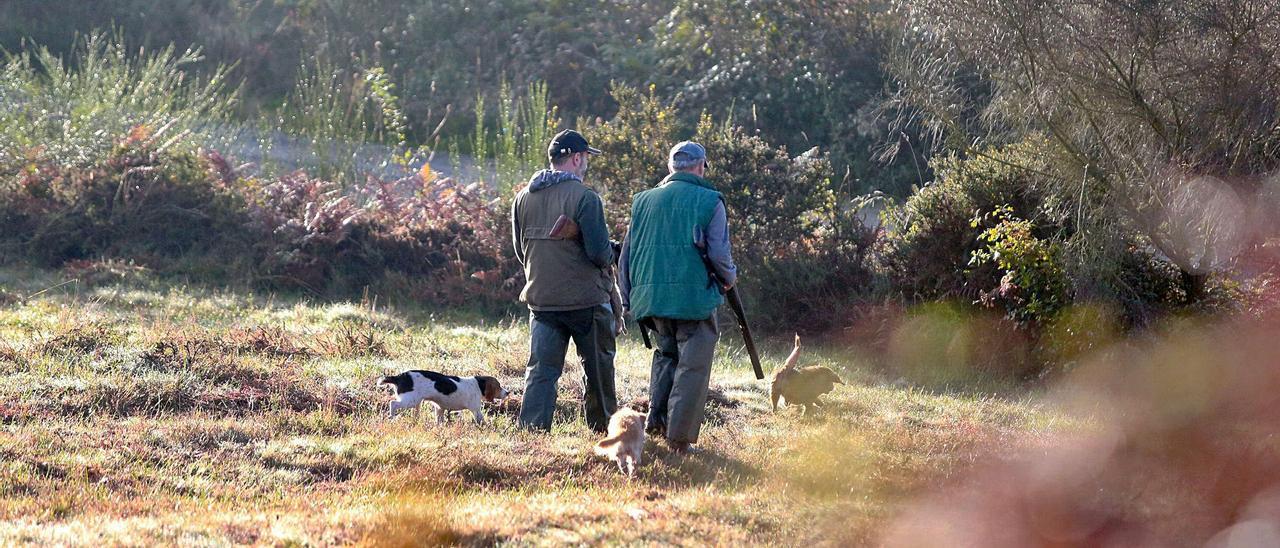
549,333
680,375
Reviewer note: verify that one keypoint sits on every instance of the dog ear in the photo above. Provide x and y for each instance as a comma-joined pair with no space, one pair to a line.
490,388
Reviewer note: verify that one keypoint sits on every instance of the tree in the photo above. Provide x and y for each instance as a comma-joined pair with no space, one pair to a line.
801,73
1153,109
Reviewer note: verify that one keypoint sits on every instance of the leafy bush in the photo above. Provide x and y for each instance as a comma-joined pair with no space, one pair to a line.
931,238
1034,286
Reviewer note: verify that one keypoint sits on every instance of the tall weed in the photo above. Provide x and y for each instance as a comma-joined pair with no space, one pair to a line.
525,124
73,111
336,113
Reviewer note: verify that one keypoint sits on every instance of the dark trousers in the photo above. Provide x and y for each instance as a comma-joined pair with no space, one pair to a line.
549,333
680,376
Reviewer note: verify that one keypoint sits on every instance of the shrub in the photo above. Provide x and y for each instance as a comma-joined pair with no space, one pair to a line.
776,202
814,289
70,113
141,202
1033,284
926,251
441,242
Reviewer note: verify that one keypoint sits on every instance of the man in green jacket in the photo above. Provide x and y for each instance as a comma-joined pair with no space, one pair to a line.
664,280
567,284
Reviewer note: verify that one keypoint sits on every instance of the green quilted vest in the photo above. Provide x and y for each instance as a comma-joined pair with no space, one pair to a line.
668,278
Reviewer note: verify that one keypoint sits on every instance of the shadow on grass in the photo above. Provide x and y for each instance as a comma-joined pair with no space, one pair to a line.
670,470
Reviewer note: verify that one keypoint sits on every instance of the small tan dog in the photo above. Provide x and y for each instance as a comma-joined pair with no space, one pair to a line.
625,441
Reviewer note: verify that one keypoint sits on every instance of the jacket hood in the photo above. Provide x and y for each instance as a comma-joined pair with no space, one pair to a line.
550,177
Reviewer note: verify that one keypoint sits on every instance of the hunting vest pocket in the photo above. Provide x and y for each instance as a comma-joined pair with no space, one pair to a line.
537,233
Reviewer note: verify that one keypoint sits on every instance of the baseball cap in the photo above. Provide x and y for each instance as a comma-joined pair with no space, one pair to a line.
568,142
688,151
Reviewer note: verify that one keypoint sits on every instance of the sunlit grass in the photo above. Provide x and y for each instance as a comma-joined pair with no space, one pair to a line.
141,413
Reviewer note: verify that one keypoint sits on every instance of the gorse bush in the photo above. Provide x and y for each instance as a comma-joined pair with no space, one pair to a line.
775,201
635,143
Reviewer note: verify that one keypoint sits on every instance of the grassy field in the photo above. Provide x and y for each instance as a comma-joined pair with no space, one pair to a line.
136,412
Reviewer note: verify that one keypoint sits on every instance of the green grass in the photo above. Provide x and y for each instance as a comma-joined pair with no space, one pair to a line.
137,412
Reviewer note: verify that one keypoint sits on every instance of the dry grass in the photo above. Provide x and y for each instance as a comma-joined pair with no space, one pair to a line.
144,415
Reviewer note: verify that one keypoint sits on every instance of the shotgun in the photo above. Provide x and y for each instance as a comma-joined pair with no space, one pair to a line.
735,304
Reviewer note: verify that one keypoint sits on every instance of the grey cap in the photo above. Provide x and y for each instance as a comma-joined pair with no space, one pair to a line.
687,155
687,151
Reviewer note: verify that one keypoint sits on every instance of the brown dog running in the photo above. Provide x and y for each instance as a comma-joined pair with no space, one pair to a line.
801,386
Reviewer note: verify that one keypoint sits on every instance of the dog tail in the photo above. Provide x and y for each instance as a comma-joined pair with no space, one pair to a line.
602,448
795,355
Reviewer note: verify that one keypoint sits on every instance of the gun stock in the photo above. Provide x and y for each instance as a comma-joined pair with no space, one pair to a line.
564,229
645,325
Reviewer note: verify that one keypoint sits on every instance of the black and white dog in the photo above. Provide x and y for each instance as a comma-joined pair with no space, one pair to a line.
446,392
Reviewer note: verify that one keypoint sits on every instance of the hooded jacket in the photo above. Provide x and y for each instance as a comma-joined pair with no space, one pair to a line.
561,274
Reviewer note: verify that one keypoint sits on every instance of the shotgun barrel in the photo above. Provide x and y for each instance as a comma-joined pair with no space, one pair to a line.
735,304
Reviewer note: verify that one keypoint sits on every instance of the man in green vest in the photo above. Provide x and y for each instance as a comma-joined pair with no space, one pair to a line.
664,282
567,283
